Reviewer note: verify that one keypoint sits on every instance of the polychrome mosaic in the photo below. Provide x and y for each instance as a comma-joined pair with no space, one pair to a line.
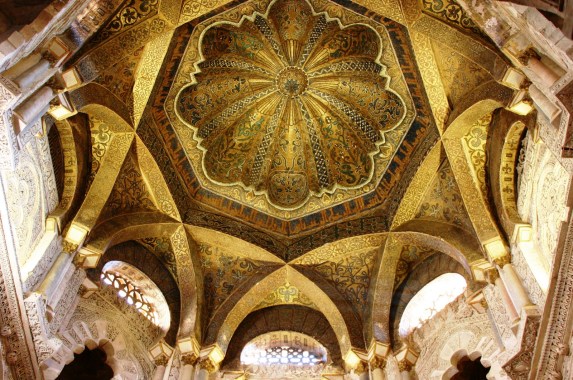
290,105
371,134
291,110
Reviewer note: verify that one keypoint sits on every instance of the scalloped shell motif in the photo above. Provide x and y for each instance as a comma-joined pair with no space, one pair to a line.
290,104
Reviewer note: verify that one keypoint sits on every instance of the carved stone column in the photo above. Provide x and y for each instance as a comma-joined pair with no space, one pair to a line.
377,354
406,358
377,366
211,357
160,364
9,94
515,288
190,351
513,315
532,60
545,105
405,367
206,366
492,276
188,362
356,364
160,352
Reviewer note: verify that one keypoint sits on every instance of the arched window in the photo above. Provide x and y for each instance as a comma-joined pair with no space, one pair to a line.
131,294
138,291
284,348
431,299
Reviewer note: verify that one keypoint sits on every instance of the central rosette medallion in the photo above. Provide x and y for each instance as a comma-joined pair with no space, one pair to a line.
291,81
290,104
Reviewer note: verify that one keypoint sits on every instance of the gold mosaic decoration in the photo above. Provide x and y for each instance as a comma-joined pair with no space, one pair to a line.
348,265
101,137
351,277
443,200
119,78
410,256
291,107
161,247
130,192
459,74
474,144
223,273
284,295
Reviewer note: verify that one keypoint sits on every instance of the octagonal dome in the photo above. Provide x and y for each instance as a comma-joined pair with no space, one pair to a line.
292,105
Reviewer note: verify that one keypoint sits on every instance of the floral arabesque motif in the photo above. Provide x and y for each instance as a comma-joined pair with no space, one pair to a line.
222,274
290,104
351,277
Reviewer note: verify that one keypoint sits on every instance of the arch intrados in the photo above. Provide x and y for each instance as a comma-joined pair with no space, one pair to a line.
460,246
252,298
417,279
152,267
148,288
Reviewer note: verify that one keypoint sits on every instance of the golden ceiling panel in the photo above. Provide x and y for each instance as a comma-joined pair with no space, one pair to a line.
284,295
410,256
291,111
443,200
240,247
452,13
348,264
223,272
120,77
161,247
416,190
130,192
474,143
459,74
340,249
351,276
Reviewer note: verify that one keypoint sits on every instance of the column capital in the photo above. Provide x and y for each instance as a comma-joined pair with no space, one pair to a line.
189,359
210,357
378,348
161,361
378,362
190,350
404,366
208,365
501,261
496,250
526,55
87,257
484,271
377,354
356,359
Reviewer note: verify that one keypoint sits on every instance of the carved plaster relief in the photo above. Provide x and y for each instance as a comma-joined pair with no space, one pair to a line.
458,327
30,192
542,195
25,206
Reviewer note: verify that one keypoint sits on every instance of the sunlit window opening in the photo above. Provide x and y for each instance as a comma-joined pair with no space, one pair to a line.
131,294
138,291
430,300
283,348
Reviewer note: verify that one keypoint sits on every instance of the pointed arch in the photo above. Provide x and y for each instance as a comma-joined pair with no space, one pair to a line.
483,100
223,331
140,258
453,241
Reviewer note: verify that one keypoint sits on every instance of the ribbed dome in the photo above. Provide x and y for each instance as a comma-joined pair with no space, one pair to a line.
290,104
